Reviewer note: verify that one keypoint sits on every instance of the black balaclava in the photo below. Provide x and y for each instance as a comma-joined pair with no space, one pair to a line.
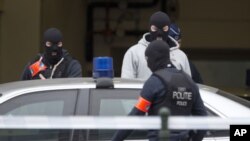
160,20
157,55
54,52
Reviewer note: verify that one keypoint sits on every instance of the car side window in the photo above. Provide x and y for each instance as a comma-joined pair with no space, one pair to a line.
113,102
43,103
48,103
122,106
46,108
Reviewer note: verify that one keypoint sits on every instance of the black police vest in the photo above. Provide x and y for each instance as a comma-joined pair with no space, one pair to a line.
60,71
179,94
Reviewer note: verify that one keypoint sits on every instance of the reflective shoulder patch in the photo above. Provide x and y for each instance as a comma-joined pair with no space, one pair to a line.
143,104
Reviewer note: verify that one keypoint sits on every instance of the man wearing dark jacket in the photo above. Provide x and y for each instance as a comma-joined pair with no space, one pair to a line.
55,62
175,32
167,87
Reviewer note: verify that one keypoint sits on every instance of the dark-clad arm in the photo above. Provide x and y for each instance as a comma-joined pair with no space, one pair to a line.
74,69
195,73
120,135
26,75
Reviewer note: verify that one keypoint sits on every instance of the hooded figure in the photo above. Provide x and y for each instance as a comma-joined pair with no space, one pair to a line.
175,32
52,40
134,64
157,55
55,62
159,26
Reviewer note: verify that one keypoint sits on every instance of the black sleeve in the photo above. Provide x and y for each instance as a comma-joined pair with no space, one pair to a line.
74,69
152,87
26,75
195,73
120,135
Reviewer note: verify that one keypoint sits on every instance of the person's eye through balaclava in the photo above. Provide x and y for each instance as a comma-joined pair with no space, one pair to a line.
159,26
53,45
157,55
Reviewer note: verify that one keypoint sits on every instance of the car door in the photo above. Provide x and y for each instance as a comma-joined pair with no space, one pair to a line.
39,103
110,102
113,102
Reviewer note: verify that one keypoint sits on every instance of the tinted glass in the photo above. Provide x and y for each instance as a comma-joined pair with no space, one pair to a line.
45,103
113,102
122,106
34,135
45,108
41,103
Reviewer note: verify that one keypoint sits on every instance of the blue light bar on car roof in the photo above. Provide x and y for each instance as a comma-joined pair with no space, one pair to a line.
103,67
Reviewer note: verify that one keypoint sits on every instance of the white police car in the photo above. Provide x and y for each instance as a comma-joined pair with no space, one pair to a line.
82,96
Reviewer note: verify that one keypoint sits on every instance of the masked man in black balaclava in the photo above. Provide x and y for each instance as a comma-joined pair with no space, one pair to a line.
159,26
134,63
175,32
165,88
53,46
55,62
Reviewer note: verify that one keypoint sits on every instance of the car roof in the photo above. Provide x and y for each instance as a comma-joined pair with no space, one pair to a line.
65,83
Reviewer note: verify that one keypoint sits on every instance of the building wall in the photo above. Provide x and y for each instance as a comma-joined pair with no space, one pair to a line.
215,24
212,24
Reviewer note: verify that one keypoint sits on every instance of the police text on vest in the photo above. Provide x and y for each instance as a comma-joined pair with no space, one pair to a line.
182,96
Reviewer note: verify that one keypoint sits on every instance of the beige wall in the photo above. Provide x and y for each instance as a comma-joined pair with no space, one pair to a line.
20,28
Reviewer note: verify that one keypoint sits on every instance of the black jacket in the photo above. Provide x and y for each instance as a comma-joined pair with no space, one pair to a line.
154,91
195,73
65,68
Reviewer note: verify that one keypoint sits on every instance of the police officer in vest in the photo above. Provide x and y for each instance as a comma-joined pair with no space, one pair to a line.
167,87
55,62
